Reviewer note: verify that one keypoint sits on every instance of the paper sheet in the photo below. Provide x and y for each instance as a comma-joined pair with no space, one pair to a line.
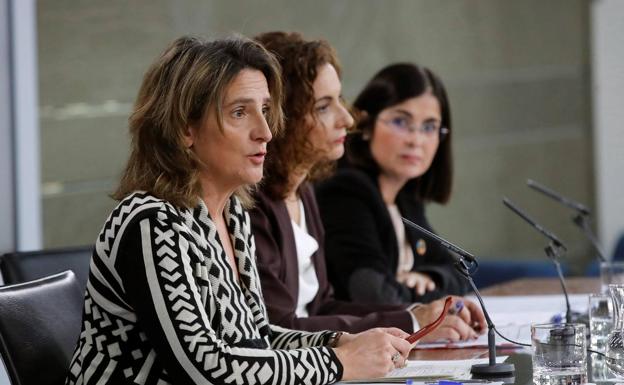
514,315
430,370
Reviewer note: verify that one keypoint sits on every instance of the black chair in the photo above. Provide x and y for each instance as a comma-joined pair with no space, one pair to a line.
39,327
24,266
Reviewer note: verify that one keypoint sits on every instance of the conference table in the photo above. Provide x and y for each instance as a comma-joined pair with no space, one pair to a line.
519,357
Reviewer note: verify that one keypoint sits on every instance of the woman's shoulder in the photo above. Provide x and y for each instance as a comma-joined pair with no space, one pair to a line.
141,202
136,206
351,179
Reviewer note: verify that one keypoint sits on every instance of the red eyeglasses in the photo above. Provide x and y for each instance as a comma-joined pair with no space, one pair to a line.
432,326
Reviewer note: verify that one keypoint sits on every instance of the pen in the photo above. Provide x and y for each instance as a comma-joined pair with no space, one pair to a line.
459,306
556,319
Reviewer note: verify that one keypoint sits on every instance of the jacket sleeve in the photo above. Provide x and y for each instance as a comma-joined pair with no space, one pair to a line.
281,301
156,271
356,258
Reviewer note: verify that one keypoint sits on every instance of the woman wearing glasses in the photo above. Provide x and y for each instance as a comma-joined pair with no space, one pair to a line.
286,222
398,159
173,295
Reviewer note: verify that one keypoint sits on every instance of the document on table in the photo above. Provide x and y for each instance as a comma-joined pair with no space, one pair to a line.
513,316
430,371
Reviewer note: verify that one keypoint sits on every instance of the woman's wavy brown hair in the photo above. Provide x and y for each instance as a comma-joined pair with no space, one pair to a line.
291,151
189,78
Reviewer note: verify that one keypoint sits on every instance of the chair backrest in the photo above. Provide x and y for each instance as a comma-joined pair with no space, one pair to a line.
24,266
39,327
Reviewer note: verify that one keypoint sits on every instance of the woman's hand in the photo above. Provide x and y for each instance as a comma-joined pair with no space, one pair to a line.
373,353
467,324
421,283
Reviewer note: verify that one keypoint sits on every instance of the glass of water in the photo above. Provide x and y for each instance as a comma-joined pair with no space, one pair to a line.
600,320
559,356
611,273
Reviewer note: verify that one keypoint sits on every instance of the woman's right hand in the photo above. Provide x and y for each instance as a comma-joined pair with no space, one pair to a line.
468,324
420,282
370,354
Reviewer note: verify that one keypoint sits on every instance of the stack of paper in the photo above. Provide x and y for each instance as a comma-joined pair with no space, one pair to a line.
427,371
514,315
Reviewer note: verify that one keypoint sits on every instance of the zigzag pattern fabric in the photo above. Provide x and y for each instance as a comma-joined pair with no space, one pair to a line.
163,306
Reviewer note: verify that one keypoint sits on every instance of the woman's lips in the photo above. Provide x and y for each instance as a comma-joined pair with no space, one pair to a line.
340,140
257,158
411,158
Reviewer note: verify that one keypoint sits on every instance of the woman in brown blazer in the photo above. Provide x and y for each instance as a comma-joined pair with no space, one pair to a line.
285,220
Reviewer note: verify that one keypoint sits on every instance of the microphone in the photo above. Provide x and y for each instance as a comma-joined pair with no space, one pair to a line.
558,197
581,219
553,251
491,369
449,246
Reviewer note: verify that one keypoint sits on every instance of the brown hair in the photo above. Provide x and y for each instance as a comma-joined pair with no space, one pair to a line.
190,77
290,151
393,85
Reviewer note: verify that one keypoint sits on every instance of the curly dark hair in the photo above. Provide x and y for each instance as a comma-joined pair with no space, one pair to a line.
291,150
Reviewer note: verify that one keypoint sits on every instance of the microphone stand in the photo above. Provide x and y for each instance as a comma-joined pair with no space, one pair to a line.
492,368
554,251
581,219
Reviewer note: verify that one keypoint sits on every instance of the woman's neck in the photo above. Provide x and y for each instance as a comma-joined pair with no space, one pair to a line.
295,181
390,187
292,198
215,198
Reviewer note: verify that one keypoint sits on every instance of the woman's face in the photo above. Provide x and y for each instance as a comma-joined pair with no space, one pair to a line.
405,138
235,156
329,119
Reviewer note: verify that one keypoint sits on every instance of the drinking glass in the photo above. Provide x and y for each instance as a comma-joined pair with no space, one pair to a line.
600,320
611,273
615,341
559,356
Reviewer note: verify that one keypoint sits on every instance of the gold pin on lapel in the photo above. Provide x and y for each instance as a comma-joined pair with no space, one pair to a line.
421,247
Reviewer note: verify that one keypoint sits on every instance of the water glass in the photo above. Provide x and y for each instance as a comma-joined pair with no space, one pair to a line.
610,273
600,320
615,341
559,356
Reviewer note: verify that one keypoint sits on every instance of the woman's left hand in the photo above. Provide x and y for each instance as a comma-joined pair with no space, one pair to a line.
346,337
421,283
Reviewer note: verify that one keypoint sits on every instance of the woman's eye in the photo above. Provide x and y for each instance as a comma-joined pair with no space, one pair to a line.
266,111
322,108
400,122
430,127
238,113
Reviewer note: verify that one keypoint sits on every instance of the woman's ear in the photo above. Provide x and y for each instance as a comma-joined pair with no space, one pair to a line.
188,136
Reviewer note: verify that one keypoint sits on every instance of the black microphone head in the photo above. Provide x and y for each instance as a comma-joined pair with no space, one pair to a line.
582,209
556,241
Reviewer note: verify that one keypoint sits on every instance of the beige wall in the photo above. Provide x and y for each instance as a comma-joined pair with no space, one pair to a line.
517,74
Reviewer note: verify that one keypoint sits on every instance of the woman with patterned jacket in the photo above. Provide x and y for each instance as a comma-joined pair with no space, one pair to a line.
173,295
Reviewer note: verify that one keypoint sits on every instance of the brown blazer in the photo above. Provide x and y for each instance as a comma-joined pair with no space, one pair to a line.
279,275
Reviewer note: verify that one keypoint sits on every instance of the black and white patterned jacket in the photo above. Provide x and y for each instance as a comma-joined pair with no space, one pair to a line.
162,306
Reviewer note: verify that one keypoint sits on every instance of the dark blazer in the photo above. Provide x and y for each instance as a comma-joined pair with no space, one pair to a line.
279,274
361,247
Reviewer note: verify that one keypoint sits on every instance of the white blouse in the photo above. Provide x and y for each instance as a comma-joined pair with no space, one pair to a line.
306,245
406,255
